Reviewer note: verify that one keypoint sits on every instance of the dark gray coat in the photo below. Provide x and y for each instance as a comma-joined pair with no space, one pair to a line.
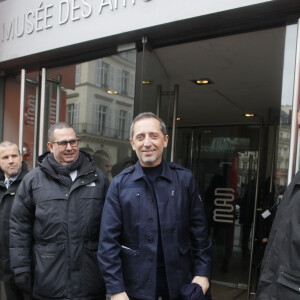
280,273
6,200
60,227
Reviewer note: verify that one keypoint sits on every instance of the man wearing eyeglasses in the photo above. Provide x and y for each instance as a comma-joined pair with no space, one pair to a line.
55,223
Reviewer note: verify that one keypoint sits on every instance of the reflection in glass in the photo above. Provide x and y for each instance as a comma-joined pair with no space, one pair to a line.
100,107
215,140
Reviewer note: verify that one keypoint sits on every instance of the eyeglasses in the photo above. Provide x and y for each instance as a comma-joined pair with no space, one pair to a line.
64,144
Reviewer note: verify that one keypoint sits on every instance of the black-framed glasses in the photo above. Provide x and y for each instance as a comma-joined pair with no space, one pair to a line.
64,144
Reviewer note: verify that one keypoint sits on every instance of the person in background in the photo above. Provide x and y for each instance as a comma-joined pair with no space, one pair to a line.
102,161
280,268
153,223
12,173
121,165
56,216
87,149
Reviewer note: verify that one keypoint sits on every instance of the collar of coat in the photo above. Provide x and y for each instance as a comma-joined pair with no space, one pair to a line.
166,171
23,172
85,168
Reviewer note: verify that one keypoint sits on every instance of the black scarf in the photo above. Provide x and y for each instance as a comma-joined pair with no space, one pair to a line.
63,172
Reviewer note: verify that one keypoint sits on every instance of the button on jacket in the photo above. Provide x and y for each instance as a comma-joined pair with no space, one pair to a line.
6,200
60,227
129,232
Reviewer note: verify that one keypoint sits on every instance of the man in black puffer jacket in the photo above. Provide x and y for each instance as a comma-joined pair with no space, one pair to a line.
11,174
56,216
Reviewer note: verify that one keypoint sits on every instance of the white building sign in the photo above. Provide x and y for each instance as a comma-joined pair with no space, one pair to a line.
31,26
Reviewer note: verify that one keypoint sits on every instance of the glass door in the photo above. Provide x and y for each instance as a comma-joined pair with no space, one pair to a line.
224,127
22,114
33,102
224,161
40,103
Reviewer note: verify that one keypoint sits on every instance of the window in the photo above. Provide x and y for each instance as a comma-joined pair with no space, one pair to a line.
122,124
72,114
245,165
129,55
78,74
102,74
101,119
125,82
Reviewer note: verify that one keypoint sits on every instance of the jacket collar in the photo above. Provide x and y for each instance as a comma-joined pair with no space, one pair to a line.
85,168
165,173
23,171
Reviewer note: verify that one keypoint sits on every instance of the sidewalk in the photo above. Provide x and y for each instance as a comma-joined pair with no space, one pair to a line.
221,292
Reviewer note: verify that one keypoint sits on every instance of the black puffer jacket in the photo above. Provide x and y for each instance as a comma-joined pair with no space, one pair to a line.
61,228
6,200
280,273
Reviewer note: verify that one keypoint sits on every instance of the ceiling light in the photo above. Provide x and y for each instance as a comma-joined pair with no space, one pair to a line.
249,115
207,131
146,82
202,81
112,92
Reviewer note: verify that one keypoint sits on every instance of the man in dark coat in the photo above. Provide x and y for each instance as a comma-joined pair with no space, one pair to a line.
280,271
153,223
11,174
55,219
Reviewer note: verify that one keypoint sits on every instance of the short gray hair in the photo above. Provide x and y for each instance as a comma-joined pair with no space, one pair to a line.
59,125
148,115
7,143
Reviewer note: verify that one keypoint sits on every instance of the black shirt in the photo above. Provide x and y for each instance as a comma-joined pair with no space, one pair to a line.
152,173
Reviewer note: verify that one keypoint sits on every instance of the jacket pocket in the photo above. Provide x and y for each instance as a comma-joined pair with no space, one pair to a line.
184,262
130,251
184,247
94,283
130,256
50,277
289,284
93,207
49,214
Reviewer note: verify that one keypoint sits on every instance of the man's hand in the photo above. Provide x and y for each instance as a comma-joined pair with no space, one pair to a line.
203,281
119,296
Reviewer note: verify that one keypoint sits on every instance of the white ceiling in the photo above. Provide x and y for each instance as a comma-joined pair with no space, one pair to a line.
246,70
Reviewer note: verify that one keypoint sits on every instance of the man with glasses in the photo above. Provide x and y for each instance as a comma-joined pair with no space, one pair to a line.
55,223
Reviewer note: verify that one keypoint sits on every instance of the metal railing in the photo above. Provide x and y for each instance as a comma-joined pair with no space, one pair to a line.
100,131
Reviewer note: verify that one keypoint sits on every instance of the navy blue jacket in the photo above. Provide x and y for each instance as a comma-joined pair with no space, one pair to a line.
59,227
127,251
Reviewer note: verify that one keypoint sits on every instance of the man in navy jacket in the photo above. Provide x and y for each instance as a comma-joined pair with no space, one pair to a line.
153,223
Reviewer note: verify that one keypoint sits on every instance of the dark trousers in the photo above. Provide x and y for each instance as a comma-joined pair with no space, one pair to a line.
12,292
161,287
